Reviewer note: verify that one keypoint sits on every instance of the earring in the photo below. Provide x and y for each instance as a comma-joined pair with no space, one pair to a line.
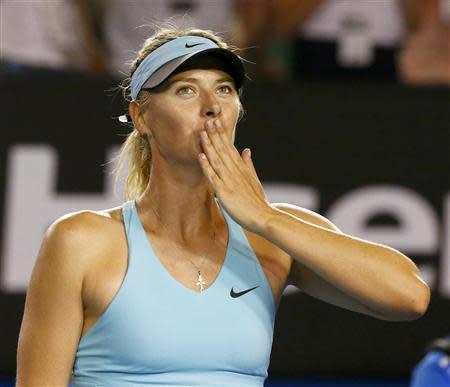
146,136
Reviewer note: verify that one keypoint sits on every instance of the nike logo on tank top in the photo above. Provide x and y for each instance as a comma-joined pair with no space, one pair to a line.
156,331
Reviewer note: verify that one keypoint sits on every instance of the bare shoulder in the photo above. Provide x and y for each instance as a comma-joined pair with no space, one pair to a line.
53,315
85,233
90,217
81,224
306,215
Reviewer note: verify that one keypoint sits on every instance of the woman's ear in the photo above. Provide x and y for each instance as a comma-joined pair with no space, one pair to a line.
241,112
137,117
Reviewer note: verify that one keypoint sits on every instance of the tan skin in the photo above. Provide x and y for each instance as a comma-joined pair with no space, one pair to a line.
179,192
84,256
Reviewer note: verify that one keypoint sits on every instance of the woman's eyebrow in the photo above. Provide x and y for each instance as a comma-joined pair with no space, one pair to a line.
196,80
224,79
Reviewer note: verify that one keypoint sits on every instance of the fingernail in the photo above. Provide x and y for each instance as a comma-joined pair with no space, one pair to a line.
209,124
218,124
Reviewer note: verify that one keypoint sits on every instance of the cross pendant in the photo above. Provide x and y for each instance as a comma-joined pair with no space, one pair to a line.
200,281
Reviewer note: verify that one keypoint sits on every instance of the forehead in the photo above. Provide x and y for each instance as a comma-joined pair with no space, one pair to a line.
207,75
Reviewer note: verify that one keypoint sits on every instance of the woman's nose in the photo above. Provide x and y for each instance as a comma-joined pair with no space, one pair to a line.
213,111
211,106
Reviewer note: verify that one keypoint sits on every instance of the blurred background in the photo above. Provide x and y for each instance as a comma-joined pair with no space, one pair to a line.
347,114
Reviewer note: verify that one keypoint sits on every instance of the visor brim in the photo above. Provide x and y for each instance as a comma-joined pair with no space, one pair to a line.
231,59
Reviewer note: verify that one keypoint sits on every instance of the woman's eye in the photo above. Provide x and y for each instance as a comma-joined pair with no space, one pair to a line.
184,90
225,89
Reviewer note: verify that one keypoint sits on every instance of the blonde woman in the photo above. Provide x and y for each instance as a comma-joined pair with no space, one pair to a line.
179,285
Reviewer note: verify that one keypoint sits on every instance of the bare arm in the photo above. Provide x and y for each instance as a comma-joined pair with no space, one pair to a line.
53,316
345,271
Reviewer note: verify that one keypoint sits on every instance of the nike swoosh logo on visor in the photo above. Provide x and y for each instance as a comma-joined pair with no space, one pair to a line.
238,294
187,45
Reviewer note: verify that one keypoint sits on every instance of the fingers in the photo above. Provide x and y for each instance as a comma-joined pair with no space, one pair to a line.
209,172
222,164
250,165
222,155
210,151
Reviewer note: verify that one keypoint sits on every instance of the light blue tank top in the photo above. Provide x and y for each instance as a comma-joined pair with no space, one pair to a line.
158,332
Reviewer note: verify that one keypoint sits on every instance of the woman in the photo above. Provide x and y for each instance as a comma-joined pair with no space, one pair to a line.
179,285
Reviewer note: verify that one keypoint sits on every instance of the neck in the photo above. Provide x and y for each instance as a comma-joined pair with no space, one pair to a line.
185,206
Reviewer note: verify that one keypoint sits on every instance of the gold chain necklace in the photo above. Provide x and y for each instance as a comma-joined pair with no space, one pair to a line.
200,281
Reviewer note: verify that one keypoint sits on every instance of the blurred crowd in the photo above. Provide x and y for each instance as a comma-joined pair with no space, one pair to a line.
407,40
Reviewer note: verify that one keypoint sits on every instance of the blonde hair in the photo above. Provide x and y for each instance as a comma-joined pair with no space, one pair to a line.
136,148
